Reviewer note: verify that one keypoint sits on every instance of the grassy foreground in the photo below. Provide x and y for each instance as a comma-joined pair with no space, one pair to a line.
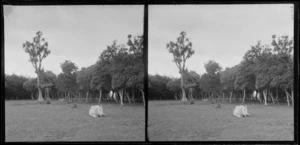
174,121
29,121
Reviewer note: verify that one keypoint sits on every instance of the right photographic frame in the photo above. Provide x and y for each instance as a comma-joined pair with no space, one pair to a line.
221,72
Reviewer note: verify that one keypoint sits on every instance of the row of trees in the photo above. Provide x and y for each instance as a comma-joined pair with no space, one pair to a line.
119,69
21,87
268,69
14,87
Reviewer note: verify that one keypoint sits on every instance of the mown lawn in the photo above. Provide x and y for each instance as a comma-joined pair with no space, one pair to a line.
28,121
174,121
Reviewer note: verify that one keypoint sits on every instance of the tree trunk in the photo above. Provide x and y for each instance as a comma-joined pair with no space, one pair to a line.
115,97
271,95
230,96
47,97
100,95
121,96
192,93
180,95
133,95
65,93
182,89
212,97
277,95
175,96
143,95
258,96
40,98
201,95
287,97
87,95
244,96
127,96
32,95
265,92
79,95
69,96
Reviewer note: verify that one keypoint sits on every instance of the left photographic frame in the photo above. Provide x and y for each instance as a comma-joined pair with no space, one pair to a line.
74,73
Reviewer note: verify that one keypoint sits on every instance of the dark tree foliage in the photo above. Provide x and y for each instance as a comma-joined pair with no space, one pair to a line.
174,85
14,87
228,77
245,78
158,89
66,81
212,67
210,81
191,77
68,67
30,85
121,68
268,68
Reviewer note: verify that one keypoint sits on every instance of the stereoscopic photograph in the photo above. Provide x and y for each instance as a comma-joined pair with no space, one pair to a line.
221,72
74,73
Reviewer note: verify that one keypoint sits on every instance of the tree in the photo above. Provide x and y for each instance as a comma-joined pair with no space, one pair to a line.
84,79
174,86
66,81
181,50
212,67
101,78
158,89
120,74
192,81
115,60
136,79
269,68
120,68
245,79
136,67
210,81
38,51
14,87
48,80
68,67
31,86
227,80
283,68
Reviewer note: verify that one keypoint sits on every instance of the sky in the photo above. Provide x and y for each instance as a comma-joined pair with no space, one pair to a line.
222,33
76,33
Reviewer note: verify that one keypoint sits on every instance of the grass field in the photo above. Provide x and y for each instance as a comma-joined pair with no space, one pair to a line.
174,121
29,121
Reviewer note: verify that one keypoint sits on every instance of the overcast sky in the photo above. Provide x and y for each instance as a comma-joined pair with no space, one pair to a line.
76,33
218,32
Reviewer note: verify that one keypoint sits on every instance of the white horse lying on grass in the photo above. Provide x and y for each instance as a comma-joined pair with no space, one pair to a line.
241,111
96,111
